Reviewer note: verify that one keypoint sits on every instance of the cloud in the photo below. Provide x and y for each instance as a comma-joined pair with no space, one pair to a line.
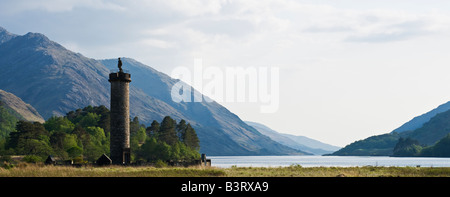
18,6
195,7
231,27
162,44
328,29
374,26
378,33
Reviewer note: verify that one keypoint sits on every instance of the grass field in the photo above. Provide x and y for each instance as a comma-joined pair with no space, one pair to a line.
36,170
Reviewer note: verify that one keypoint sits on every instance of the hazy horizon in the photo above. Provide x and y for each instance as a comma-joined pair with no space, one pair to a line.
348,69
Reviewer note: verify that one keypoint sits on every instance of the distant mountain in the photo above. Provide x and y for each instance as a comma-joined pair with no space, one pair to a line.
22,110
296,142
55,81
418,121
427,135
5,35
51,78
316,147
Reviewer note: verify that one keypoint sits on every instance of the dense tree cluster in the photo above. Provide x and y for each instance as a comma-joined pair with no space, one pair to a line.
409,148
169,141
83,135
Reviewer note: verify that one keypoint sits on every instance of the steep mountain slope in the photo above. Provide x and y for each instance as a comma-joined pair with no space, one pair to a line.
51,78
418,121
296,142
13,109
432,131
24,111
55,81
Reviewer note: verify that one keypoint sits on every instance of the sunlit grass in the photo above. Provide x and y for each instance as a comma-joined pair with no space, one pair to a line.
298,171
39,170
110,171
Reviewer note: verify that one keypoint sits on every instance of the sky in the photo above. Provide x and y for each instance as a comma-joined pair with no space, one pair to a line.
348,69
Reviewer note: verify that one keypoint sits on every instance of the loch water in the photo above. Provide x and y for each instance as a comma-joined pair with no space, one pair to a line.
326,161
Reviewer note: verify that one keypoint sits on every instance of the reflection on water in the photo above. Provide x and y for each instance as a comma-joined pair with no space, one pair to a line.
316,161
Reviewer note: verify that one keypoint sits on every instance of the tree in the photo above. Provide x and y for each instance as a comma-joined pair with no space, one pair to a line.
153,150
134,125
190,138
167,133
31,130
96,134
62,124
29,138
181,129
140,135
97,145
137,135
75,151
7,121
90,120
148,150
82,136
57,140
61,142
153,129
105,118
35,147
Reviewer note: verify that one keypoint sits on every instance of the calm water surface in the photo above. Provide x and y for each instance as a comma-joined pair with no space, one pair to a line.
316,161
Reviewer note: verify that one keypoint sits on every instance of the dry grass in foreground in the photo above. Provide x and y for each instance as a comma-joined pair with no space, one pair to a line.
298,171
36,170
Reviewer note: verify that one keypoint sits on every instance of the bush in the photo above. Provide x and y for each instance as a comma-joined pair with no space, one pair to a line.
5,158
32,159
160,164
79,160
7,165
75,151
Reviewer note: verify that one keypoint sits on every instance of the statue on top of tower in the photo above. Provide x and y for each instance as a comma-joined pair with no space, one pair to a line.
120,65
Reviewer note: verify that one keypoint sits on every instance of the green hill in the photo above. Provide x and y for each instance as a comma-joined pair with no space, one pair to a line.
432,131
379,145
429,140
440,149
13,109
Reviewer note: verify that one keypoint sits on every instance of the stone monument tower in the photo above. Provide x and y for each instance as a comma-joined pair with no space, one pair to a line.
120,116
